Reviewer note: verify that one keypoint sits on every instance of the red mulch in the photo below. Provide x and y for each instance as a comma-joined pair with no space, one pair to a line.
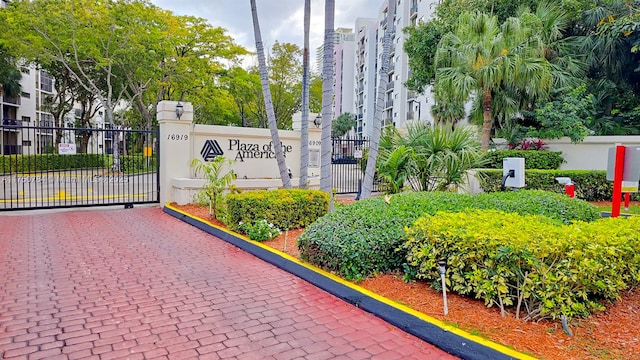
612,334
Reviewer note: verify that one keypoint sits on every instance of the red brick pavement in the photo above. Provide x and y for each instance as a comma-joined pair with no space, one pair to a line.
139,284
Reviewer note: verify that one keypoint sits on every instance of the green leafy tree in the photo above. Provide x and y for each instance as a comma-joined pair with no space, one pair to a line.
9,74
566,116
342,124
481,57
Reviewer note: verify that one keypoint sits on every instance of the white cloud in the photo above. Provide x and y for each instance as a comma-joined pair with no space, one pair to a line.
280,20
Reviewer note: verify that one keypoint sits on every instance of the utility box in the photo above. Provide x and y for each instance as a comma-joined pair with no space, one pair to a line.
517,165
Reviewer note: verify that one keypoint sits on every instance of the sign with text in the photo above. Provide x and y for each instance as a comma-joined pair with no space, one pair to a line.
66,149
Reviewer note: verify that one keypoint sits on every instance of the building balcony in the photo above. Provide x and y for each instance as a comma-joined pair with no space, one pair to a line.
411,95
414,11
390,85
359,116
410,115
360,89
383,22
11,122
14,101
388,104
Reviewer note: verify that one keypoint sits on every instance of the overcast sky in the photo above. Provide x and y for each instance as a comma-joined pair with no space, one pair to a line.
280,20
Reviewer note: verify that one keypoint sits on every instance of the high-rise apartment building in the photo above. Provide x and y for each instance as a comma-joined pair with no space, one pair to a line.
400,104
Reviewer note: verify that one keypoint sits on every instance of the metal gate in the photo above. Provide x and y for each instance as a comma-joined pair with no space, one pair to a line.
348,161
44,167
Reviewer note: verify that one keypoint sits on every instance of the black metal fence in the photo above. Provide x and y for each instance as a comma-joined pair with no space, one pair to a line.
348,161
52,167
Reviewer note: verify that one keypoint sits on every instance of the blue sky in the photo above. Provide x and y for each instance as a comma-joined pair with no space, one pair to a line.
280,20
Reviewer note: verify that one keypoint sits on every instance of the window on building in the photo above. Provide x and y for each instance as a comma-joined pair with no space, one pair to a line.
26,142
26,119
25,95
46,81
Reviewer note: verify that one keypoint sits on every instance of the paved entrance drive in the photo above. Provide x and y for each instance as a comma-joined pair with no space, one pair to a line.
139,284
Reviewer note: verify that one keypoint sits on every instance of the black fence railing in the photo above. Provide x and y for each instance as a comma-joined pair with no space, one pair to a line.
51,167
348,161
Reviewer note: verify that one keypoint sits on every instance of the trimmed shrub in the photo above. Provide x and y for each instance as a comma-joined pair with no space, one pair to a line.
137,163
46,162
533,159
362,239
537,264
590,185
284,208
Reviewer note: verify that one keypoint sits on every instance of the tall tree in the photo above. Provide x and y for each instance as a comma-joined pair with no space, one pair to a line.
481,57
9,75
264,77
383,79
326,183
304,131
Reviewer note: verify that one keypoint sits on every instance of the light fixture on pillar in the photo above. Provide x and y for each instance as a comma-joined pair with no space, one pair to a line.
318,120
179,110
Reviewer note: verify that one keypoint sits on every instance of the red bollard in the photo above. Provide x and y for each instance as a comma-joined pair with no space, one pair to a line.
569,189
627,200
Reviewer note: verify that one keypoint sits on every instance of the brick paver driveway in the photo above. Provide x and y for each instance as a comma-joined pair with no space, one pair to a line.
139,284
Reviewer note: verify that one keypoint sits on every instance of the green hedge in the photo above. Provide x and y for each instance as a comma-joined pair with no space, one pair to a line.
285,208
137,163
590,185
46,162
533,159
547,268
361,239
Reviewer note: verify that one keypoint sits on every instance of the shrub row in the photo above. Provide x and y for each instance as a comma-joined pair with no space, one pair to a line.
284,208
137,163
45,162
547,160
540,266
590,185
362,239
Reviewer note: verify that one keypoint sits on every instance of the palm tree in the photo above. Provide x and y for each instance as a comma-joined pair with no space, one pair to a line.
367,184
264,77
481,57
10,76
326,184
427,157
304,131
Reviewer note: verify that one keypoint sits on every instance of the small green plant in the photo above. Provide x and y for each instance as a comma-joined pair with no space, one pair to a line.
260,230
218,179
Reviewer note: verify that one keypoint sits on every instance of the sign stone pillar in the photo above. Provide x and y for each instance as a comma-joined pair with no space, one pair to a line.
175,146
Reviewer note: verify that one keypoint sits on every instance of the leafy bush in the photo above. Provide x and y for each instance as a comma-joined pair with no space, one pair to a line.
285,208
361,239
533,263
547,160
46,162
260,230
590,185
137,163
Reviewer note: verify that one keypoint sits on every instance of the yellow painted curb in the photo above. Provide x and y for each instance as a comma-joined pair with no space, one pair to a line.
477,339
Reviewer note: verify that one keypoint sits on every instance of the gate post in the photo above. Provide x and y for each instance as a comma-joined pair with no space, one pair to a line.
175,144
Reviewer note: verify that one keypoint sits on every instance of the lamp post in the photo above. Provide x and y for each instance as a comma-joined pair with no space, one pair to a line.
179,110
318,121
442,269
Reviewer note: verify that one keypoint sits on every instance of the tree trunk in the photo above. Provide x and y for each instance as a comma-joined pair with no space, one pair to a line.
326,183
304,130
487,119
367,184
264,77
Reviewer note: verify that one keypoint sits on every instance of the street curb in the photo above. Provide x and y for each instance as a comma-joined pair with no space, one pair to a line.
433,331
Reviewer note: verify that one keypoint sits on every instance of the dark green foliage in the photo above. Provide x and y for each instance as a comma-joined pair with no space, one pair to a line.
284,208
45,162
137,163
547,160
590,185
362,239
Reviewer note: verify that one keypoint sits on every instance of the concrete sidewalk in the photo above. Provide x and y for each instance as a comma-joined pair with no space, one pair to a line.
139,284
